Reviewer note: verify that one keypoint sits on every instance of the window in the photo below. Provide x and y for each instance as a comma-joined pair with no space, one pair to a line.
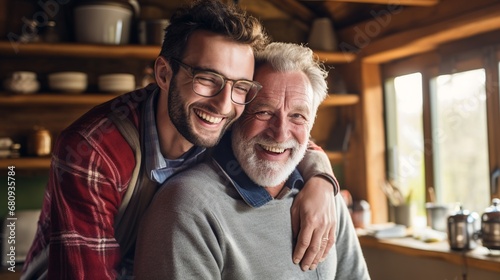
405,139
461,139
442,133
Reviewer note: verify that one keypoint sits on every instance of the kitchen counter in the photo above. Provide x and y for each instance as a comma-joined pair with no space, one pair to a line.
9,275
480,258
407,257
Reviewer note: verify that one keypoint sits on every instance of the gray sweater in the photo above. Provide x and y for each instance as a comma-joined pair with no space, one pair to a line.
199,227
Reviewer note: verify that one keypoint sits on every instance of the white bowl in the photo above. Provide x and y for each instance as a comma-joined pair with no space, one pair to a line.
117,77
70,82
68,76
116,82
103,24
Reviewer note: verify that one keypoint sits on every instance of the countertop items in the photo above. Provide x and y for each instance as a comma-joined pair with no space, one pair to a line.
386,230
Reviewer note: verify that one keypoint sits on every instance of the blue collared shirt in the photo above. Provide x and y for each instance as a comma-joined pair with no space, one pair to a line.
158,168
253,194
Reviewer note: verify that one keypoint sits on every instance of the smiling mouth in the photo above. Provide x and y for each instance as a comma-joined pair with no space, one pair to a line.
271,149
208,118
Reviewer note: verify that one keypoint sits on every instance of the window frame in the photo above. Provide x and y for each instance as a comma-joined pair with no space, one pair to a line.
455,57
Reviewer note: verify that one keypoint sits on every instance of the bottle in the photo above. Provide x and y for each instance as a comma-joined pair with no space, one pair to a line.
50,34
39,142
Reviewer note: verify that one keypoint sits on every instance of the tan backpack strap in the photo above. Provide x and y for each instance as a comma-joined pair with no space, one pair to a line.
130,133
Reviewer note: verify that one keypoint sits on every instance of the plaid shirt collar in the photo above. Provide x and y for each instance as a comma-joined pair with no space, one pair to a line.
158,168
254,195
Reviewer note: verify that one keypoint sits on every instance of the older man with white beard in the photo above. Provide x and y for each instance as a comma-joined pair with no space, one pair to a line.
229,218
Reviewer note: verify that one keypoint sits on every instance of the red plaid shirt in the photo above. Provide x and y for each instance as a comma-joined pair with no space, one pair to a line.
90,172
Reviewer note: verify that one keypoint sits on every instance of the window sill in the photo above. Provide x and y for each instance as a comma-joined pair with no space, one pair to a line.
479,258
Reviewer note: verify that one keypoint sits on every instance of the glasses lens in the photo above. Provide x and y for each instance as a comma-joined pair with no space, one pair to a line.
243,92
210,84
207,84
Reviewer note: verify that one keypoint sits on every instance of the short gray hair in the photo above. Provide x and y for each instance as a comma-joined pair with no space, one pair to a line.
287,57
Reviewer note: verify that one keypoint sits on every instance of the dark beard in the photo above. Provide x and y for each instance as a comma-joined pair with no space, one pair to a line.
180,119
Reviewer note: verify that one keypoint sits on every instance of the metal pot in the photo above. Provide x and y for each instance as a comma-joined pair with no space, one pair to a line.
463,230
490,226
151,32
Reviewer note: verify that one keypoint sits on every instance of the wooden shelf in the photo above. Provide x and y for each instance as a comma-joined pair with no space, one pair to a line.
79,50
335,157
120,51
54,99
340,100
335,57
26,163
96,51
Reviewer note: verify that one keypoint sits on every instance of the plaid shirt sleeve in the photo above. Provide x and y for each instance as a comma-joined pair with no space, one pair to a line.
83,196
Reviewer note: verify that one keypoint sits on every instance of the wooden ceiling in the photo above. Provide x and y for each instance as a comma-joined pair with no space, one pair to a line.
377,30
343,13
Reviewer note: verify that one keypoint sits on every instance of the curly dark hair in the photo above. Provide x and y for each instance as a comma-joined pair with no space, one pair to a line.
214,16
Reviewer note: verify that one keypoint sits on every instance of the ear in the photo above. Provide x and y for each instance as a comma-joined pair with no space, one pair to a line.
163,73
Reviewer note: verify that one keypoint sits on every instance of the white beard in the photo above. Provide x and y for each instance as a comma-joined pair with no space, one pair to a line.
264,172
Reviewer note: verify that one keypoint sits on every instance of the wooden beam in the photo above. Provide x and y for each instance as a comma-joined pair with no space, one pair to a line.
374,140
493,111
400,2
295,9
428,37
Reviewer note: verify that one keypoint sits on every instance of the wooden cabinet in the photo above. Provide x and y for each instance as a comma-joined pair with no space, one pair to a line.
332,123
55,111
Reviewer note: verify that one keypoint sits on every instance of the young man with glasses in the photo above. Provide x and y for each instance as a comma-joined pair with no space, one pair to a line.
107,165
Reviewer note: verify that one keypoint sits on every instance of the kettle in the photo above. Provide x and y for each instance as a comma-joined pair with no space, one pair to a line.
463,230
490,226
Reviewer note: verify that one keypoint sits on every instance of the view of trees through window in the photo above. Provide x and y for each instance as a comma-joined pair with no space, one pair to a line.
459,139
405,139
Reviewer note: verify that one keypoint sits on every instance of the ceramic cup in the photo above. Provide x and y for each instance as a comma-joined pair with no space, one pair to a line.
437,215
403,214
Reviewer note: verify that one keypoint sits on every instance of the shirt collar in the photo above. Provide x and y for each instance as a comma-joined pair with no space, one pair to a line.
252,193
158,168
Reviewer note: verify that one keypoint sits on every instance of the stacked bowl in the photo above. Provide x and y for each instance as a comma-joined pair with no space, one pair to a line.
68,82
118,83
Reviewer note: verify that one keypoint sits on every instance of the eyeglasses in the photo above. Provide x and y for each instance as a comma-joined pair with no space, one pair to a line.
209,84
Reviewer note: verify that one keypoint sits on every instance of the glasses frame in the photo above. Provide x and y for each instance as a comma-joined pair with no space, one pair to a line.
193,71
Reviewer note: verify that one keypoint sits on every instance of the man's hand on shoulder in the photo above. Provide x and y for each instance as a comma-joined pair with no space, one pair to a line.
314,222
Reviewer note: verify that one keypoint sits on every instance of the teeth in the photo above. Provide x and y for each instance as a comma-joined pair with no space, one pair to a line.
207,117
273,149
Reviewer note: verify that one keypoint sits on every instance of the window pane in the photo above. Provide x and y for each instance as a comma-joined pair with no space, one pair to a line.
460,139
405,139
